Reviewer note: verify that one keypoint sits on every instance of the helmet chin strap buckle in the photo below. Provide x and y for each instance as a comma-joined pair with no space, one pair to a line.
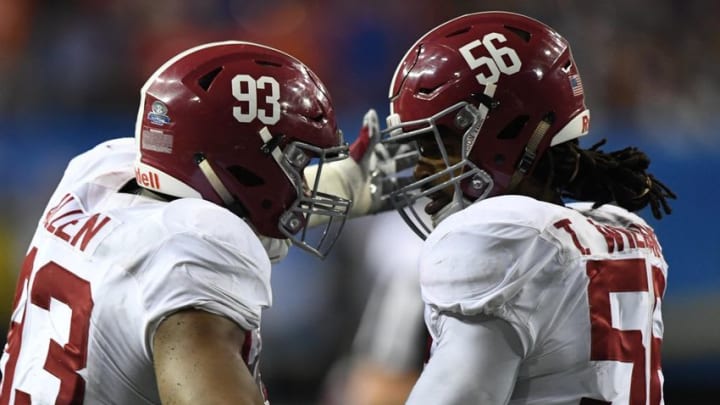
529,154
527,160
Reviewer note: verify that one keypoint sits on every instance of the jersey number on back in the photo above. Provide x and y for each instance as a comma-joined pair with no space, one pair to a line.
624,300
52,287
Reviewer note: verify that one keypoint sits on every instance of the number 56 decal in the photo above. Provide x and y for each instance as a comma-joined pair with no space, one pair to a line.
501,60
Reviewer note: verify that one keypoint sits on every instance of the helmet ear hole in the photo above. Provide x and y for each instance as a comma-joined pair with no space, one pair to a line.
566,67
459,32
320,118
207,79
524,35
245,176
267,63
514,127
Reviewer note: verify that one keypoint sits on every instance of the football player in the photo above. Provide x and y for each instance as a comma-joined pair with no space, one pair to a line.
150,266
528,300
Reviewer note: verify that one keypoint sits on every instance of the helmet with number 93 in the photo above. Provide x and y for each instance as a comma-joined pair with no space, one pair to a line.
483,96
236,123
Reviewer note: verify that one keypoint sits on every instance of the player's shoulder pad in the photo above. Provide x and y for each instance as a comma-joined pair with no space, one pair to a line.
607,213
109,153
111,160
210,222
209,259
479,258
501,216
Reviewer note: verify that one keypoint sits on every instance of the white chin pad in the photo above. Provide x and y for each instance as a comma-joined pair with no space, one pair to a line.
394,120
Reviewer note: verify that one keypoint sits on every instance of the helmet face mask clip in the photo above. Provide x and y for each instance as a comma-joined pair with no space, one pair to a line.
455,169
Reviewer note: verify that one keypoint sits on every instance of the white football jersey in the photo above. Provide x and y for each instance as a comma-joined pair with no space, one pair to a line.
104,268
581,287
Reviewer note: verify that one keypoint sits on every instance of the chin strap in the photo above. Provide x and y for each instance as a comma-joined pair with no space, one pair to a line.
276,248
528,158
230,202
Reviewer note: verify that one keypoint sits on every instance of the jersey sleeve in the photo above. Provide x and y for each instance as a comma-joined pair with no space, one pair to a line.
474,361
222,272
486,265
109,163
91,175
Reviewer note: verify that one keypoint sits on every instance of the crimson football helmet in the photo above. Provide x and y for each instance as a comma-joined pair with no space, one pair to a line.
502,88
236,123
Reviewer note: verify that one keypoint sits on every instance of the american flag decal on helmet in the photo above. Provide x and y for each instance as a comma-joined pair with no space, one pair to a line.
576,85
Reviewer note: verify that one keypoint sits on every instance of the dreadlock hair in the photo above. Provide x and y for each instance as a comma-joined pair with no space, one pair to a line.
618,177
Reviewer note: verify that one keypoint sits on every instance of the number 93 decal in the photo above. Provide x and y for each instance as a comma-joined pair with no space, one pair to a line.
245,88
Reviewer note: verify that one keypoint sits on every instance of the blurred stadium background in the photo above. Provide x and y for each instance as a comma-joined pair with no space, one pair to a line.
70,72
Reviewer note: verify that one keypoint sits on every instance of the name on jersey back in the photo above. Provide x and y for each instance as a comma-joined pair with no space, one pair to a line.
70,223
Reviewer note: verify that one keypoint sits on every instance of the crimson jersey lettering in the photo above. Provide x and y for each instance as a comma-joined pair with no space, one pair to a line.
565,225
610,338
52,282
632,236
68,222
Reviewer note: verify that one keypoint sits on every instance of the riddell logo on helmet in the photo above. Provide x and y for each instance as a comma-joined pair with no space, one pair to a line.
149,179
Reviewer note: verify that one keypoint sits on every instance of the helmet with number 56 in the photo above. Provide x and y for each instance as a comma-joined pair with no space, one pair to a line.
236,123
483,96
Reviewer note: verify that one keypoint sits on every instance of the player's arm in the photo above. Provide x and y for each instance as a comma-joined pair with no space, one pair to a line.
390,344
476,361
197,358
371,383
